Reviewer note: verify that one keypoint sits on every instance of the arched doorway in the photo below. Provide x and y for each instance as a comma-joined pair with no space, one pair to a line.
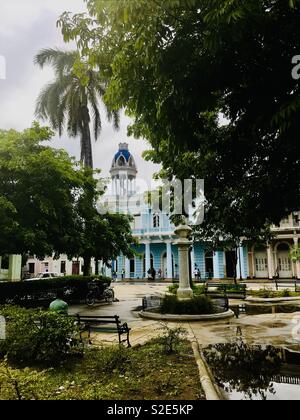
284,268
209,264
261,263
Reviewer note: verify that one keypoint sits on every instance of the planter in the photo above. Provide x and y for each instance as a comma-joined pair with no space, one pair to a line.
252,299
186,318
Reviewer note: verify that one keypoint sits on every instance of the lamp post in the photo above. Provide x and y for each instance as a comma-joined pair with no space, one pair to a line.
183,243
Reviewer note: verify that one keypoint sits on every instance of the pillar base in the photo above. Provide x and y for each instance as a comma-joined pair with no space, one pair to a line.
185,293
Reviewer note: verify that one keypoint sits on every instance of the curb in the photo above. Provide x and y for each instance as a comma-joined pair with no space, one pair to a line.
209,387
272,300
186,318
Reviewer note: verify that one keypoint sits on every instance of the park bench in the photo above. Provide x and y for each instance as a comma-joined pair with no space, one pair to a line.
104,324
227,290
287,283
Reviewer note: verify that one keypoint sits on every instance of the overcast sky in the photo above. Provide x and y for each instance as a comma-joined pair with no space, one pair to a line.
26,26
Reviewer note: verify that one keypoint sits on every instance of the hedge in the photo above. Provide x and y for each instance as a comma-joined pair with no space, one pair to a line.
40,292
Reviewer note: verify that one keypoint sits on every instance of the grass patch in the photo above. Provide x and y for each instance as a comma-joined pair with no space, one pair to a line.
272,294
113,373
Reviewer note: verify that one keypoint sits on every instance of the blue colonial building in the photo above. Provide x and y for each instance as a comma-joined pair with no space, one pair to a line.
155,233
157,248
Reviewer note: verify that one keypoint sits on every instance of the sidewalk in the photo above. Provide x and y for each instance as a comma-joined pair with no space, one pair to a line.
271,329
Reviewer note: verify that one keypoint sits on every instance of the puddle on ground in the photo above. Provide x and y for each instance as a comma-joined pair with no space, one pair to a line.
247,372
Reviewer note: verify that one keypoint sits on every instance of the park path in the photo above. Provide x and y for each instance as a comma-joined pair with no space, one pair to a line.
273,329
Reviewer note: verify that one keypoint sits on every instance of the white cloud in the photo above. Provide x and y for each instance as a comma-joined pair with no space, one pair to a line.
26,26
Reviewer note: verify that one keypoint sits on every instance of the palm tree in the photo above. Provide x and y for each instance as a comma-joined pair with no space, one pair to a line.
69,100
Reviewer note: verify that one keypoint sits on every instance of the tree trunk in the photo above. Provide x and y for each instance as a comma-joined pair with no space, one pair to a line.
87,265
86,142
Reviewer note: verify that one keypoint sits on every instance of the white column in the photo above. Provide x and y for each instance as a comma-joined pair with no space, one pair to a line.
297,262
216,265
183,243
127,268
240,267
192,262
169,261
148,257
15,267
270,262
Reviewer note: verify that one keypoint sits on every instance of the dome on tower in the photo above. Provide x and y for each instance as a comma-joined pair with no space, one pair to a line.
123,159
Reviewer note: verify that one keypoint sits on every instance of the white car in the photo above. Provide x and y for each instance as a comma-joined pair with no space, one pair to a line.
45,275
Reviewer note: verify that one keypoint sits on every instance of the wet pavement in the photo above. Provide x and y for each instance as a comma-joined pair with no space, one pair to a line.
273,328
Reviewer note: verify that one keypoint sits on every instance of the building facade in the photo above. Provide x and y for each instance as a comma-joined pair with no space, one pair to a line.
157,248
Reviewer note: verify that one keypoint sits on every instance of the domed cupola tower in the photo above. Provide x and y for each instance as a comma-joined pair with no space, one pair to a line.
123,172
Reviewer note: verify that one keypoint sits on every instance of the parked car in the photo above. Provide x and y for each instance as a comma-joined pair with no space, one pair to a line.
45,275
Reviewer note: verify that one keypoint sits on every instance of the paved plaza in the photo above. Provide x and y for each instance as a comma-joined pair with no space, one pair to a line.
278,329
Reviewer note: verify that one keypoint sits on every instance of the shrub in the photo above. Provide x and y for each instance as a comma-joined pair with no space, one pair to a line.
199,290
285,293
265,293
199,305
171,339
41,292
173,288
35,336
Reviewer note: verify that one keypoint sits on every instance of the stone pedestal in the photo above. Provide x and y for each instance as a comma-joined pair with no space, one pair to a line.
183,243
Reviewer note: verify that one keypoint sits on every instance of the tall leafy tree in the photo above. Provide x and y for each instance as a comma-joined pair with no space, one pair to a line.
48,203
180,64
72,99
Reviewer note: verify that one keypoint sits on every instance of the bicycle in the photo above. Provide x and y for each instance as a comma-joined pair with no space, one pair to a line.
97,294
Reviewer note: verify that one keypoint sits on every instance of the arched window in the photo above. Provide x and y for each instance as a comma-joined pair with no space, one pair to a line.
156,221
121,161
283,247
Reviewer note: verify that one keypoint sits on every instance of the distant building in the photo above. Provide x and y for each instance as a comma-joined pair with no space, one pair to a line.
157,248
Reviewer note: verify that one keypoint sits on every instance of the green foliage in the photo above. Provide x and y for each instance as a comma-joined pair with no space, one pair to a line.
198,290
176,66
171,339
264,293
38,337
38,189
173,288
20,384
67,101
286,293
199,305
112,373
272,294
49,203
295,254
